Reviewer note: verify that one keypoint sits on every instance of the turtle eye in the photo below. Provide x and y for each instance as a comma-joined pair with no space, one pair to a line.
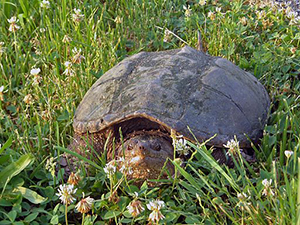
157,148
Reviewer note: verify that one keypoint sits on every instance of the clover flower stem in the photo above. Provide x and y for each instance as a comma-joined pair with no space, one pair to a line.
66,214
242,216
111,184
126,181
119,183
173,136
54,181
83,217
17,54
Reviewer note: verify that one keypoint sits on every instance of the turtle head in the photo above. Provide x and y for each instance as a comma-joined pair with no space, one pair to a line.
146,154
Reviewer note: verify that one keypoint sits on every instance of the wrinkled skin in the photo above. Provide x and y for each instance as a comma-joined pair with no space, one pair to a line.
147,155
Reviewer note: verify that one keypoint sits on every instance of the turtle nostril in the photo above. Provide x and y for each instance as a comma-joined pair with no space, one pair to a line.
129,147
157,148
141,147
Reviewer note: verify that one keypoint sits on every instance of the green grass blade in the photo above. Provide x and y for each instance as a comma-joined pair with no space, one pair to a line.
78,156
6,144
187,175
215,165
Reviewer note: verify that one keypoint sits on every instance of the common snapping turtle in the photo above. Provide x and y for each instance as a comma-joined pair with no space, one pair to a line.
151,93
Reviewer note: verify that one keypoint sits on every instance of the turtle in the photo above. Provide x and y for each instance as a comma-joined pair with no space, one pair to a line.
151,94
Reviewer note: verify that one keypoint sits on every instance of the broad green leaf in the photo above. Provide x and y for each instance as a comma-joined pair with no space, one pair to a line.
192,220
30,195
123,202
111,214
12,215
297,36
5,222
40,210
54,219
125,220
171,217
15,168
4,202
127,214
31,217
19,223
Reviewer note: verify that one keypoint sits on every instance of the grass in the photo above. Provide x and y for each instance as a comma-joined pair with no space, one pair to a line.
36,111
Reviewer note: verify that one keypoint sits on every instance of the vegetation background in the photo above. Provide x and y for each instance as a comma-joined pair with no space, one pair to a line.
52,52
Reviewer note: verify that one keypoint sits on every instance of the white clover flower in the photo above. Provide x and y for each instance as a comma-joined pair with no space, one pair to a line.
77,11
155,206
232,144
202,2
65,193
13,20
67,64
77,55
292,15
135,208
243,200
73,179
156,216
181,145
293,50
218,9
1,93
167,36
66,39
124,166
2,49
68,70
28,99
13,27
267,183
110,168
233,147
85,204
35,71
50,166
288,153
211,15
243,21
187,11
267,187
260,14
77,16
242,196
45,4
136,194
294,20
118,19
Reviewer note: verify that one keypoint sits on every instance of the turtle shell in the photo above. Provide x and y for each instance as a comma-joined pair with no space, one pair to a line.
185,90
